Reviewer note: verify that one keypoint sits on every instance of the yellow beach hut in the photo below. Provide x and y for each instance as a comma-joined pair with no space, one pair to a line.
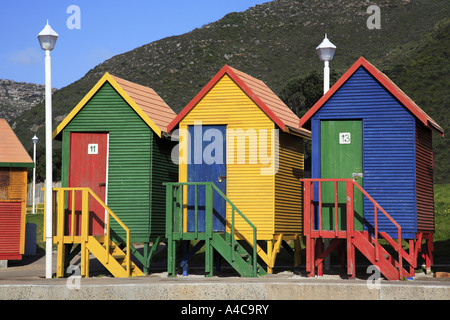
239,135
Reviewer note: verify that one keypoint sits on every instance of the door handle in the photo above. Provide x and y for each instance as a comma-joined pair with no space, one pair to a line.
357,175
102,184
222,178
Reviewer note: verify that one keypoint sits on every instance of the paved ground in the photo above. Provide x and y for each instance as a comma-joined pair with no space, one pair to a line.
25,280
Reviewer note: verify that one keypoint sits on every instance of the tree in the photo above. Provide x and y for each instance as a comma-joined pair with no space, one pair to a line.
40,164
302,92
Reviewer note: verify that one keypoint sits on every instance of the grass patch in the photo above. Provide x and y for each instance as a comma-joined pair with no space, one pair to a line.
442,222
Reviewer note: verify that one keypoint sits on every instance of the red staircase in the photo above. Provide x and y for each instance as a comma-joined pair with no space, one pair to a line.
378,256
345,240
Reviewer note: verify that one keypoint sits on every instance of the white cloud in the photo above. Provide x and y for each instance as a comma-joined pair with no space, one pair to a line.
28,56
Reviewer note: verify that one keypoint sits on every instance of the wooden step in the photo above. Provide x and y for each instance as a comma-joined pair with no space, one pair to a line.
114,265
386,267
242,259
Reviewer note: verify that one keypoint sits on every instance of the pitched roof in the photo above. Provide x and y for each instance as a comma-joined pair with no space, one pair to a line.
384,81
259,92
12,152
144,101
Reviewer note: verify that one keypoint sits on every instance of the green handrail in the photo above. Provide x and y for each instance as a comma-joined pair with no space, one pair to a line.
176,221
233,240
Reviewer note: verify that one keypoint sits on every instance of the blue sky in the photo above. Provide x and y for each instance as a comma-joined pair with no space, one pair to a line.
107,28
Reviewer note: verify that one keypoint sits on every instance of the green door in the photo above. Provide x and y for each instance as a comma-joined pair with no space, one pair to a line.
341,157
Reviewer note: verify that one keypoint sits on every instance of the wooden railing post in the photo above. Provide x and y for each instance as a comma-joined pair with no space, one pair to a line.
320,208
208,229
182,219
128,253
72,217
336,209
108,236
376,232
169,210
60,234
350,230
350,208
170,228
306,207
307,220
232,235
195,210
84,232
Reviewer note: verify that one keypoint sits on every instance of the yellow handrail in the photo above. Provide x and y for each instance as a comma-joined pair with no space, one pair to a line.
85,220
108,238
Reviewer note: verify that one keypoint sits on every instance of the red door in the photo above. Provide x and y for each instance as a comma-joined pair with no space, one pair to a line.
88,155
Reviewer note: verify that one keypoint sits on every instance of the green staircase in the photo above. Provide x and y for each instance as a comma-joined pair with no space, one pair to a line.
235,255
225,243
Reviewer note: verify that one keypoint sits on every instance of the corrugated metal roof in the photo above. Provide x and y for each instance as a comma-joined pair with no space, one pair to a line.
12,151
386,82
144,100
259,92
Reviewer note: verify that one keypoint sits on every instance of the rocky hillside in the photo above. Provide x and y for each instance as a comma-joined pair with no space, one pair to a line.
18,97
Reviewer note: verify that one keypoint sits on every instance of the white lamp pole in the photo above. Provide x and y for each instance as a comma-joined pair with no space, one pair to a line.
325,50
35,140
47,39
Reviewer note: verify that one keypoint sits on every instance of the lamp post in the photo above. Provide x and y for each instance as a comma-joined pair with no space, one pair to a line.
35,140
325,50
47,39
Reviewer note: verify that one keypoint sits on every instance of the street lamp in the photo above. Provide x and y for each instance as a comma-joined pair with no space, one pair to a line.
35,140
325,50
47,39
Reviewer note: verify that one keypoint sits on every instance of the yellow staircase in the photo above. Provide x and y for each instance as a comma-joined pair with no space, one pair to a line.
112,257
116,261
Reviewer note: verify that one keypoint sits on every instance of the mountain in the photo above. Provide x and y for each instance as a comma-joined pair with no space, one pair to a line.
276,42
18,97
423,73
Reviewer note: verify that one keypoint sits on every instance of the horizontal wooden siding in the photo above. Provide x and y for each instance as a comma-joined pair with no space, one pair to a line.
11,230
288,189
129,157
388,148
163,169
247,188
424,179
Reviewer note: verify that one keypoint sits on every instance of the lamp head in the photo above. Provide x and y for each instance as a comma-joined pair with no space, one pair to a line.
326,50
47,38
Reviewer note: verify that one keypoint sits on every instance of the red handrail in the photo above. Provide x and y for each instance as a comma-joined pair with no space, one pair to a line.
399,228
308,187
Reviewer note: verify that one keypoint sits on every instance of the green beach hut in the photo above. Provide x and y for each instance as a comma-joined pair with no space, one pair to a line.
115,142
